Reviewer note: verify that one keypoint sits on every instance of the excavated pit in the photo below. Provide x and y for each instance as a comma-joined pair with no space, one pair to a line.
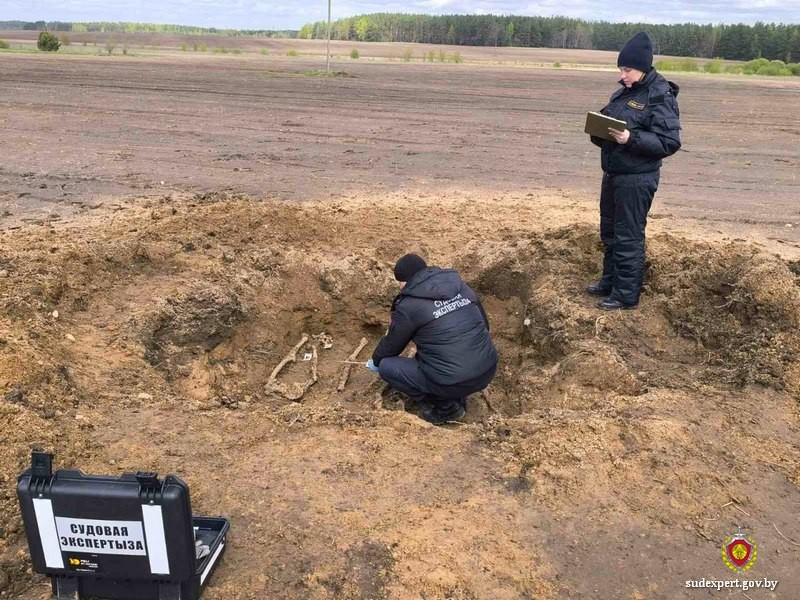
167,317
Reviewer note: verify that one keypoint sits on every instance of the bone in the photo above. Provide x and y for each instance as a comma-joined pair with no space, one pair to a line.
294,391
351,360
289,358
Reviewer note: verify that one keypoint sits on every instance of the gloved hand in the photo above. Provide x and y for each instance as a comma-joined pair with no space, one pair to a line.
371,366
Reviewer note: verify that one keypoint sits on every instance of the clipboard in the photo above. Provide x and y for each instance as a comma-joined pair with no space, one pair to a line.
598,124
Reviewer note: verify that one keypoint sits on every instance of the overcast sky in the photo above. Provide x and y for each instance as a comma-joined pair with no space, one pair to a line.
291,14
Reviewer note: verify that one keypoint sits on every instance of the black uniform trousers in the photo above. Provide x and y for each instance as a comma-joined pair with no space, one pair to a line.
406,376
625,201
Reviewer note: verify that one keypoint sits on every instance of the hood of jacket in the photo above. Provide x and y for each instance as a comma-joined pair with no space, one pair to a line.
434,283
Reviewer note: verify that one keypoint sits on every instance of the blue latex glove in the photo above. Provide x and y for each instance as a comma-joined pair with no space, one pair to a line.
371,366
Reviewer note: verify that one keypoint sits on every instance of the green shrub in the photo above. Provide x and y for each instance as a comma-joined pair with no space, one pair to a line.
265,52
48,42
777,63
408,55
125,49
794,68
713,66
4,45
203,47
111,46
774,71
354,53
734,69
457,58
65,41
752,67
292,52
431,56
220,50
442,56
557,64
195,47
236,51
689,65
184,47
323,73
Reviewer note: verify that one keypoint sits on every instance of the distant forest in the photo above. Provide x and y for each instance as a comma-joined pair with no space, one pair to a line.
112,27
734,42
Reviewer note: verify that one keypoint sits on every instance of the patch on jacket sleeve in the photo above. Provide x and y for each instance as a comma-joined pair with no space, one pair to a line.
636,105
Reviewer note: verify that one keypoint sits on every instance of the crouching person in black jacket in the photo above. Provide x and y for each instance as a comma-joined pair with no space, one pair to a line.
455,354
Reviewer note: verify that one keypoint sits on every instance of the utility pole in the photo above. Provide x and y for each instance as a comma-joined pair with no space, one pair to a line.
328,44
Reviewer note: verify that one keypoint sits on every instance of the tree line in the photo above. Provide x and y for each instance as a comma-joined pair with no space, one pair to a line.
734,42
125,27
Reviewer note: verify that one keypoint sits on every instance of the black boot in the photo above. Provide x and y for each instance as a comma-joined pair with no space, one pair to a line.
420,402
611,304
442,413
598,289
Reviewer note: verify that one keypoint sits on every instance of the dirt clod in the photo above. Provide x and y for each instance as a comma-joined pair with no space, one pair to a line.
15,395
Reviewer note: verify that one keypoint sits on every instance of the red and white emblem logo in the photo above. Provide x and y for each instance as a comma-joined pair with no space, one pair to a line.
739,552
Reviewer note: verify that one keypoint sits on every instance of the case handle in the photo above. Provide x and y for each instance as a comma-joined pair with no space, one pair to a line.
147,479
41,465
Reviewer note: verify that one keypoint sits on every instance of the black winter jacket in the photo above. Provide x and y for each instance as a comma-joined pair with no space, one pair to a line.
445,319
651,110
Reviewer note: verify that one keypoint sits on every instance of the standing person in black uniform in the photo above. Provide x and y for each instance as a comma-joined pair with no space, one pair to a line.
455,354
631,167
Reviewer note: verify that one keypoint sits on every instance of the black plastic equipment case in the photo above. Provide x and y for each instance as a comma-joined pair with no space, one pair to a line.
131,537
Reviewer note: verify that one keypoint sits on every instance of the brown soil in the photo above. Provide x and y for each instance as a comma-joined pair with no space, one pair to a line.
152,275
623,435
82,131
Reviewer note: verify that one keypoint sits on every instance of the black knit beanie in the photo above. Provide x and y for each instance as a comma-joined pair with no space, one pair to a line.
408,266
637,53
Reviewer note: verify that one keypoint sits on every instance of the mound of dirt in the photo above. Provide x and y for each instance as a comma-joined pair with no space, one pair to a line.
741,306
732,311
